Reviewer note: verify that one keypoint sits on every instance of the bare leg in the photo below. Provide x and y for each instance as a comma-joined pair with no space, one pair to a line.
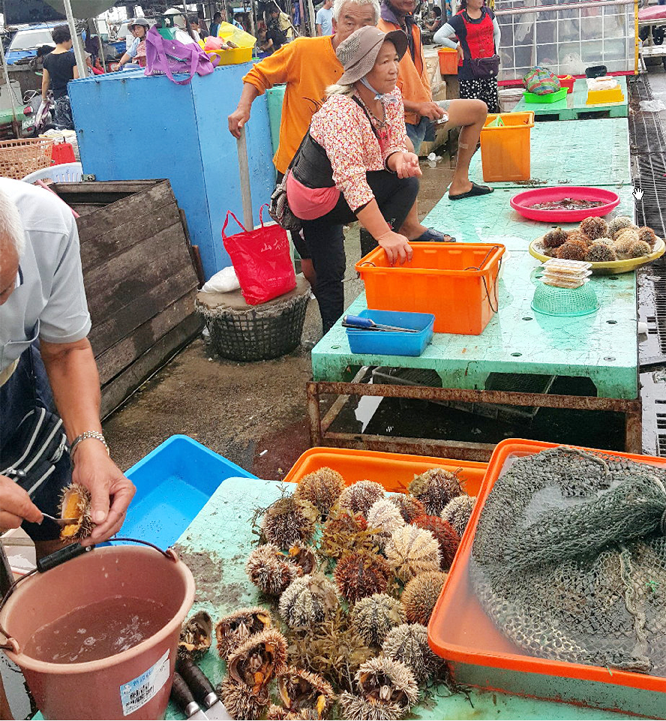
308,270
469,115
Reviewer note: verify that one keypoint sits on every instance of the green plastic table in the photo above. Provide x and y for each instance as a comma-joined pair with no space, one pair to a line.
216,546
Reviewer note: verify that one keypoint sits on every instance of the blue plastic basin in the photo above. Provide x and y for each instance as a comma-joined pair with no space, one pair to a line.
173,483
393,343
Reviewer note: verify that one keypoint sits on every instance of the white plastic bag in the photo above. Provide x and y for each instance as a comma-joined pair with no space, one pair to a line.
222,282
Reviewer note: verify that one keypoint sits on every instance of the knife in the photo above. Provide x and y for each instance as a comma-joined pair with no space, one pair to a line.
202,689
183,698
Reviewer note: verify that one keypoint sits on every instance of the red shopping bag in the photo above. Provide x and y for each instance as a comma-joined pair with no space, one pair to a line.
261,259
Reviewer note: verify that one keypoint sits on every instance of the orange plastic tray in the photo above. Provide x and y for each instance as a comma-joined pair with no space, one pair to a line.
394,471
459,629
505,149
455,281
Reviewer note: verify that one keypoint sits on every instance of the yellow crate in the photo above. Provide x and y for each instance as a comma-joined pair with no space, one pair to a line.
604,97
233,56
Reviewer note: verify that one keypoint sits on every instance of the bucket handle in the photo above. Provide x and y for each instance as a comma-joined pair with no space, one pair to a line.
56,559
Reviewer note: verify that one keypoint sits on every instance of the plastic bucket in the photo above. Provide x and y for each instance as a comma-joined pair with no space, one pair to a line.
134,684
505,149
448,61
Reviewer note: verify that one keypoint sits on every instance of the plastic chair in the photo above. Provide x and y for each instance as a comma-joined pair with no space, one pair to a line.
65,173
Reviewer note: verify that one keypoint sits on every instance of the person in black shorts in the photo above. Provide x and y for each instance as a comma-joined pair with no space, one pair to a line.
59,69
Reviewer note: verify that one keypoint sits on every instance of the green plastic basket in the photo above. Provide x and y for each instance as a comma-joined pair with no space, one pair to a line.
560,94
564,302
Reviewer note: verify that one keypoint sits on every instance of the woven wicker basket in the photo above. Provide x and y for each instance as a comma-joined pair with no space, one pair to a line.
19,158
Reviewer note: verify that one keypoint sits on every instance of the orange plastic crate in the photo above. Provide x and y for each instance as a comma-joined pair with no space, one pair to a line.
505,149
461,632
394,471
457,282
448,61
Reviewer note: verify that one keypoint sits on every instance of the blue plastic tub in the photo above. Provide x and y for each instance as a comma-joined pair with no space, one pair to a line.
388,343
173,483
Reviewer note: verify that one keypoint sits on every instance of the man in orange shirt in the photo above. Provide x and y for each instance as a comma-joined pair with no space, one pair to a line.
421,111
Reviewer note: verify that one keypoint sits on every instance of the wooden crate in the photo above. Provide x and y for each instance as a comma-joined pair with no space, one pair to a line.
139,277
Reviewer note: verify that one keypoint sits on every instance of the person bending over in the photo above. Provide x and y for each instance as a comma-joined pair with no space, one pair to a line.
354,164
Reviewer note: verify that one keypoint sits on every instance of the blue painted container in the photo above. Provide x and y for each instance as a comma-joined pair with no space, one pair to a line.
393,343
173,483
133,127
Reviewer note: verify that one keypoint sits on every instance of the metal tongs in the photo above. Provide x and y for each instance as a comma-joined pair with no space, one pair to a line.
355,321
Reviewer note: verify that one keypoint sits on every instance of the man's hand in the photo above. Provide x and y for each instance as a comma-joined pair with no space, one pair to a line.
237,120
405,165
111,492
430,110
15,505
396,246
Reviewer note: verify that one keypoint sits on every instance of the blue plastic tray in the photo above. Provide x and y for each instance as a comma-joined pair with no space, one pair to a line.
388,343
173,483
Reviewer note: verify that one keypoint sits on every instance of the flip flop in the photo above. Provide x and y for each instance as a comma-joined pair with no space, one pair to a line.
472,192
434,236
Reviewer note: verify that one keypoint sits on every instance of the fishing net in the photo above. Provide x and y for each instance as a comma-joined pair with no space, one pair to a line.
569,559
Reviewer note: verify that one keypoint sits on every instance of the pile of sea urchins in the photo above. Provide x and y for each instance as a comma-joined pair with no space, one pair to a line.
598,241
353,574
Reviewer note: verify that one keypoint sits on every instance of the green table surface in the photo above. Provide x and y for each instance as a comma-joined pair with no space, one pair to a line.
216,546
584,152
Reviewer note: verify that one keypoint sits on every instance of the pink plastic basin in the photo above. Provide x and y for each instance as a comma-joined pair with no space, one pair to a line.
523,201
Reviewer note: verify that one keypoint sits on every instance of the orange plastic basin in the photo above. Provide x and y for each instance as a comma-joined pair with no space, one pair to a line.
448,61
394,471
455,281
460,630
505,149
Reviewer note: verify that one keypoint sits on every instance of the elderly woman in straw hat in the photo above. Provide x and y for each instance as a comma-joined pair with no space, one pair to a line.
354,164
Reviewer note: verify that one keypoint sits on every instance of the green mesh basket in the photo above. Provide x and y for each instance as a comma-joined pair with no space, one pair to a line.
564,302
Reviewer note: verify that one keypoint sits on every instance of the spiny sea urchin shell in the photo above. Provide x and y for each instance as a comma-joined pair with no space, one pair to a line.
288,521
458,512
554,238
408,643
322,488
411,551
75,503
375,616
256,662
233,630
435,488
420,596
619,223
594,227
239,700
622,244
600,253
270,570
627,234
386,690
384,516
196,636
647,235
409,506
305,694
344,532
638,249
360,496
308,600
445,536
359,575
579,236
572,250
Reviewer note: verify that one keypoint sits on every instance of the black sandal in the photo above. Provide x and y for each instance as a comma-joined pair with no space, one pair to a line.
472,192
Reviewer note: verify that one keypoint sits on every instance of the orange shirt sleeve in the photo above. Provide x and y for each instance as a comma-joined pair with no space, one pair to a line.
273,70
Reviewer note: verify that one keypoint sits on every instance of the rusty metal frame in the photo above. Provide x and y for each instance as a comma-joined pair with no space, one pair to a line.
320,434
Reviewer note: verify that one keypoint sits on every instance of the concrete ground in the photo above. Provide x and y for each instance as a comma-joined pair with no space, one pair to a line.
254,414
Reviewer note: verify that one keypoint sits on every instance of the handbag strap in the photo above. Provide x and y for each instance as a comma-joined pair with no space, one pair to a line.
226,222
157,46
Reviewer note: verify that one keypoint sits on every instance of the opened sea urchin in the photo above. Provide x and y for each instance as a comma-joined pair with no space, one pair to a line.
75,503
321,488
304,694
196,636
359,575
435,488
411,551
288,521
420,596
375,616
234,630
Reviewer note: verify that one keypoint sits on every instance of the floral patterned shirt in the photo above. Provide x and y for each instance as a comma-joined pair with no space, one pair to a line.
343,129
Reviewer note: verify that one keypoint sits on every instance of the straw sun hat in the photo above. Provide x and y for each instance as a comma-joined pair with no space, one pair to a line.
359,51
